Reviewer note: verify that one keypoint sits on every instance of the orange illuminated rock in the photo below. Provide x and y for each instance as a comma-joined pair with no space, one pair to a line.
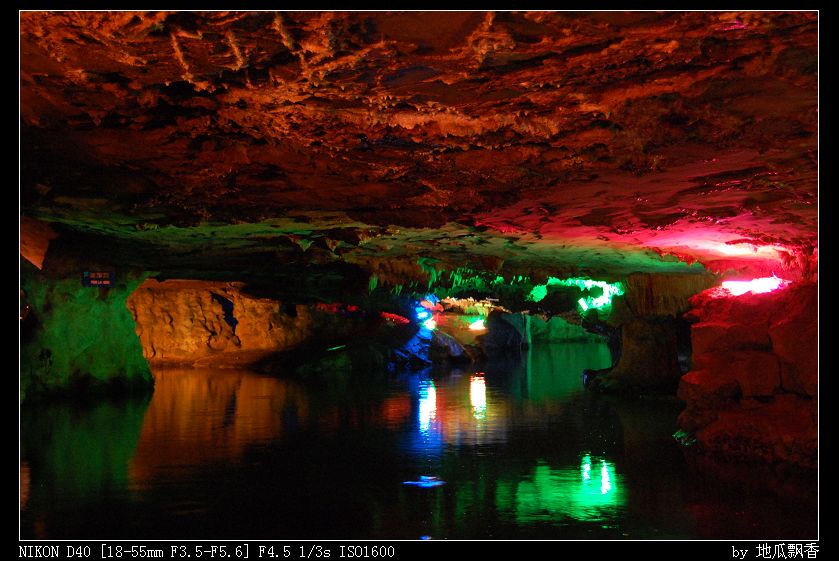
35,237
584,142
184,322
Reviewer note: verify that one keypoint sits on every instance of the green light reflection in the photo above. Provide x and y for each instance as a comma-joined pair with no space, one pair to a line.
592,493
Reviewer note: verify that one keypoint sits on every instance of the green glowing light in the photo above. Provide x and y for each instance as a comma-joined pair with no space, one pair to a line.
336,348
602,302
430,324
588,494
538,293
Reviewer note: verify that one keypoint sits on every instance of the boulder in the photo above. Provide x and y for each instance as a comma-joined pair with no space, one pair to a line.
504,332
211,323
446,348
649,358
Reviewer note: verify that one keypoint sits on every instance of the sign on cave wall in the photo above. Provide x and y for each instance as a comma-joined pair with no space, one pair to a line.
98,278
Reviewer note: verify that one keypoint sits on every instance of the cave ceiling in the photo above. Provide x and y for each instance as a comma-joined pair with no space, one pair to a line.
588,143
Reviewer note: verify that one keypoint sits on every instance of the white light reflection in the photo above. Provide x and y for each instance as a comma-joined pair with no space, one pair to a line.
478,396
427,405
477,325
585,468
605,482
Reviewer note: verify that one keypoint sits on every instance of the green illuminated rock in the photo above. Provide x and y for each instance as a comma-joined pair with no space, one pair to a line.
77,336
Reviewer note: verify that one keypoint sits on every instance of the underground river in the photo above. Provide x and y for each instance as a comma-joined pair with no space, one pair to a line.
516,449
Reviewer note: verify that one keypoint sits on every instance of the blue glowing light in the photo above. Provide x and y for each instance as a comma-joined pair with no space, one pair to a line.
426,481
422,313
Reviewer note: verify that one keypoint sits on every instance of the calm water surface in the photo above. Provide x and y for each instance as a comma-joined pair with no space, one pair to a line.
516,450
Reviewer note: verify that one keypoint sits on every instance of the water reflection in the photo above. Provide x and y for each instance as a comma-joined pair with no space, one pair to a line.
478,396
78,453
456,410
522,450
592,492
75,456
427,405
198,416
553,371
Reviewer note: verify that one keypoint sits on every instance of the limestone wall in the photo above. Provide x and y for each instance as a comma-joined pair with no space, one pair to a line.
753,387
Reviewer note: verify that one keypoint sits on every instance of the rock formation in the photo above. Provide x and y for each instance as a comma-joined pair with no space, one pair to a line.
752,392
590,143
78,337
258,165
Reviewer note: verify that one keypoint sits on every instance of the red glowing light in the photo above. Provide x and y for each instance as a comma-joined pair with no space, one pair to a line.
732,26
755,286
395,318
431,306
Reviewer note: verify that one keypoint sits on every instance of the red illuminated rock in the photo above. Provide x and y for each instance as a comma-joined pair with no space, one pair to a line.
755,374
708,389
707,337
783,430
795,341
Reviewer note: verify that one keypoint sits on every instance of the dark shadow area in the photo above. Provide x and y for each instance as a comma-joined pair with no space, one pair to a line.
227,308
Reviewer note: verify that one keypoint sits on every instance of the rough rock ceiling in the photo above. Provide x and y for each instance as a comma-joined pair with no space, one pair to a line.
587,142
